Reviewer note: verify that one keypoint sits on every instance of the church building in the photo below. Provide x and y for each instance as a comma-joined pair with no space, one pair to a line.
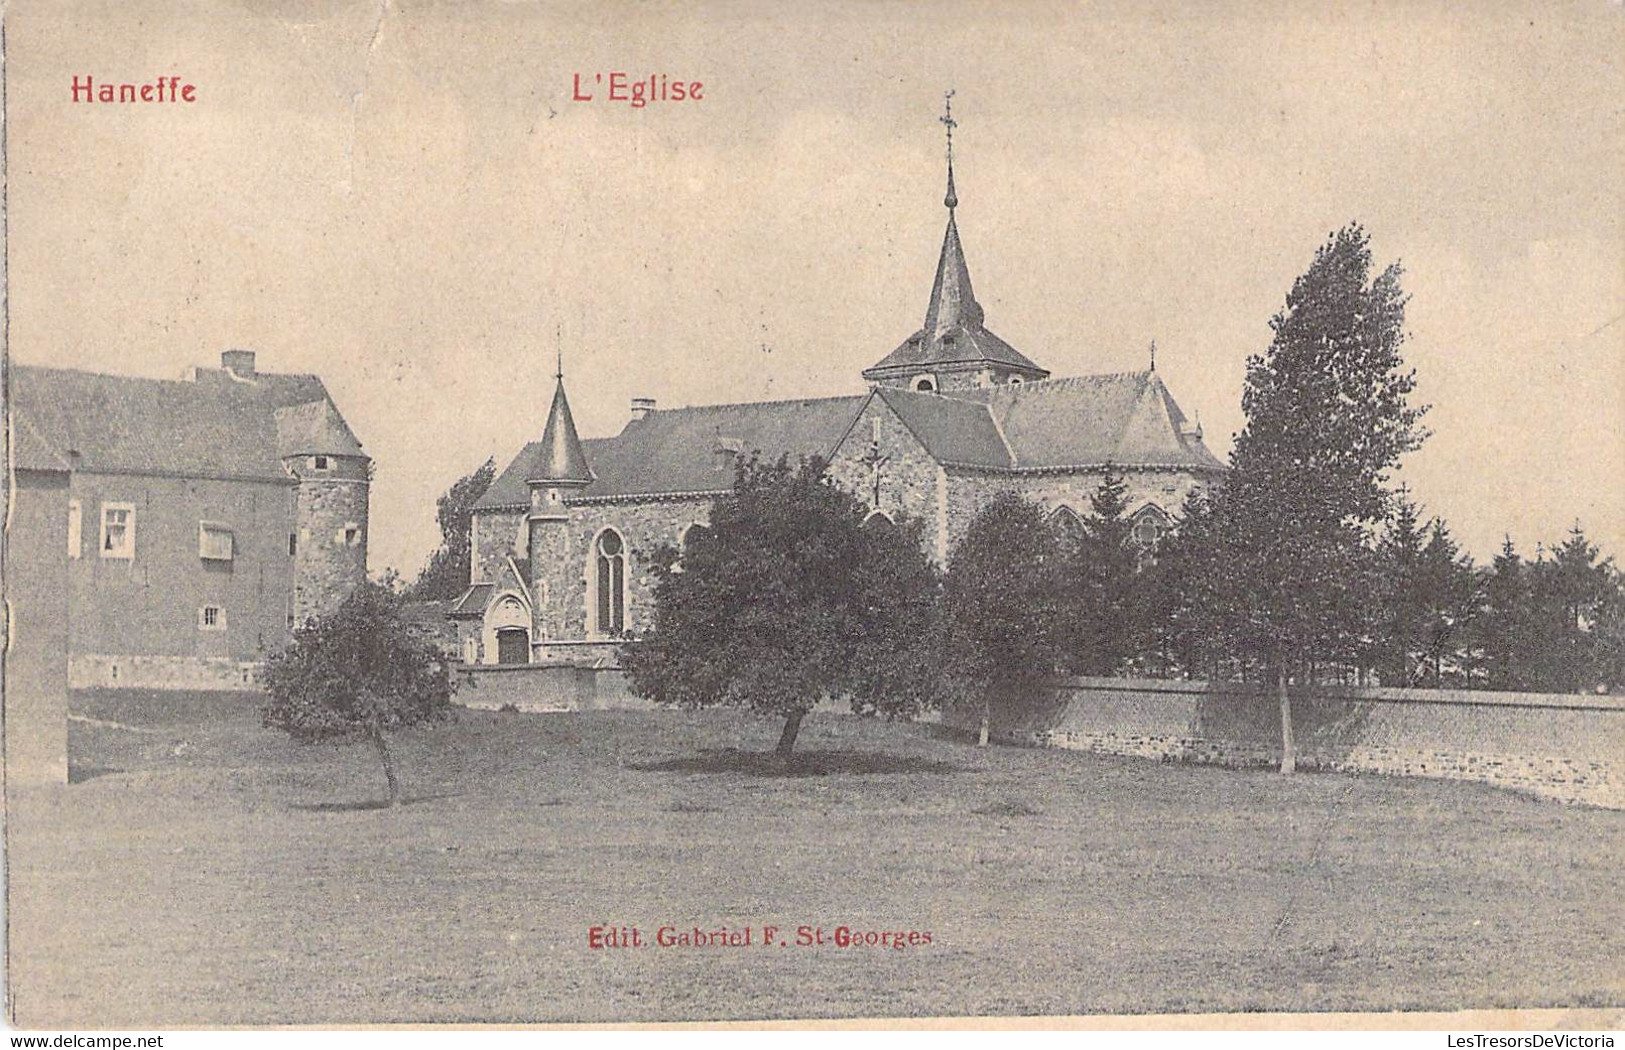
952,417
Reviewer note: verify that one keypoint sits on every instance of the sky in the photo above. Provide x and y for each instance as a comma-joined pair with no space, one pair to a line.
406,200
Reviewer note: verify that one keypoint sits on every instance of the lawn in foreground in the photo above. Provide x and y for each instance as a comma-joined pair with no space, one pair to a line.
204,871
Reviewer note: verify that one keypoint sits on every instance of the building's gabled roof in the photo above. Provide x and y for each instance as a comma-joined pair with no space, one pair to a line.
688,450
954,431
216,426
1126,419
30,451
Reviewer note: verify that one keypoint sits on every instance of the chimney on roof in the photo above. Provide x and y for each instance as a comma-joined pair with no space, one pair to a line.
239,363
642,406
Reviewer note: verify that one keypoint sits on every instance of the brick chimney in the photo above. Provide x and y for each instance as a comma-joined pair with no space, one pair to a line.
239,363
642,406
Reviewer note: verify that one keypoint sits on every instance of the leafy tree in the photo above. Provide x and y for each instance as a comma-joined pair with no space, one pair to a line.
448,572
1006,600
356,673
789,599
1328,418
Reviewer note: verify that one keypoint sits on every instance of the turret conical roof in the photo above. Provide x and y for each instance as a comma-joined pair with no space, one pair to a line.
563,460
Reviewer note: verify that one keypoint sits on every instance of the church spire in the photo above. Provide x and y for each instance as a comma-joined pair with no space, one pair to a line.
953,302
562,461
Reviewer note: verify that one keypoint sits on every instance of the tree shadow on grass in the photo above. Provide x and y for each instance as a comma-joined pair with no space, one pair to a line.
367,804
798,764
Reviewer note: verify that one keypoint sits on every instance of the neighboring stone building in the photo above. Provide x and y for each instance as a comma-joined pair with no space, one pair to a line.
954,416
202,518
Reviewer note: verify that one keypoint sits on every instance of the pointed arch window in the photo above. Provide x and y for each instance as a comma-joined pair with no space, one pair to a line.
1150,525
609,560
1067,525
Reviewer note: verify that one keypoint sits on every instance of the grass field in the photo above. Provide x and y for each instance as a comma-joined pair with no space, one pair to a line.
203,871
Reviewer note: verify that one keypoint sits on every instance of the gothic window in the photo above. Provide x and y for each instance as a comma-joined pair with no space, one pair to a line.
610,576
1149,527
1067,525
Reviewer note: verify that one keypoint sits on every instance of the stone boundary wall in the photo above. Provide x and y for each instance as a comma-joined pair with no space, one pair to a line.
544,687
1565,747
105,671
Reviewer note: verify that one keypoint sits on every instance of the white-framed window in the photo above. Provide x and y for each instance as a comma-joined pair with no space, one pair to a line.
925,384
118,530
76,528
320,463
211,618
352,534
215,541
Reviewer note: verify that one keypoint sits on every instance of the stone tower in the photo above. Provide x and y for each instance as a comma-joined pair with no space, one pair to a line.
329,538
562,470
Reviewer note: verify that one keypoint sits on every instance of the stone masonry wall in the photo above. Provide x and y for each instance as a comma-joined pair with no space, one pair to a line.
1568,748
564,565
328,565
496,534
908,479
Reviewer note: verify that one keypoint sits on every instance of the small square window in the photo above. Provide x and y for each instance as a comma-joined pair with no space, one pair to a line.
215,542
118,530
319,462
352,535
211,618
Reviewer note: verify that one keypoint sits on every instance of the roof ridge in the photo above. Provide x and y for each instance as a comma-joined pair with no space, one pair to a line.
185,382
759,404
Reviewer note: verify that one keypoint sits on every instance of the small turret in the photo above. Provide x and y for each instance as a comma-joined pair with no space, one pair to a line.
562,465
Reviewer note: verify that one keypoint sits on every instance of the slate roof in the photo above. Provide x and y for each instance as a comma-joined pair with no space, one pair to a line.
681,450
1085,422
1127,419
954,332
560,457
472,602
215,426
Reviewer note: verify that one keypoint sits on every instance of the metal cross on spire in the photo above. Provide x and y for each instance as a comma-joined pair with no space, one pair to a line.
1153,355
558,345
947,119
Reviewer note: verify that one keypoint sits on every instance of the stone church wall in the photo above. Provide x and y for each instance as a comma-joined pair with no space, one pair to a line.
496,535
908,478
971,491
643,526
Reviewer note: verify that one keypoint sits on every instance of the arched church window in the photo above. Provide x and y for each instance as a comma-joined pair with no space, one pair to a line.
1149,527
1067,525
611,583
925,384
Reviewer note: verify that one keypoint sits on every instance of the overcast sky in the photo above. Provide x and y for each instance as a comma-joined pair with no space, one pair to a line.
405,200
